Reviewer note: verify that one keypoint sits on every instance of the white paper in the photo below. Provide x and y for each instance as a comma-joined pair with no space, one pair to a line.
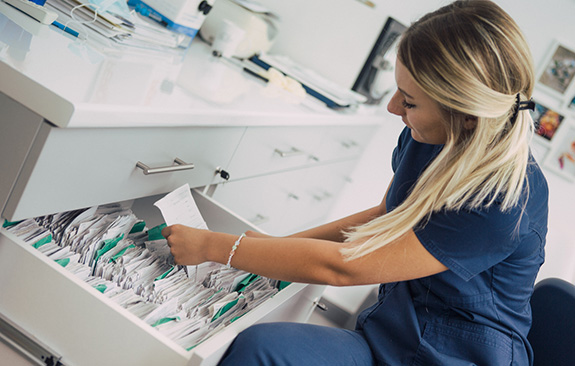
179,207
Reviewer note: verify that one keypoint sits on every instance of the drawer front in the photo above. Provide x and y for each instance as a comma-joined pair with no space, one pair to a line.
274,149
283,203
87,328
320,194
344,142
265,201
77,165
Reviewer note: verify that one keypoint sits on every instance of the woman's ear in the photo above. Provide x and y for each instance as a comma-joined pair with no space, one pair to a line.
470,122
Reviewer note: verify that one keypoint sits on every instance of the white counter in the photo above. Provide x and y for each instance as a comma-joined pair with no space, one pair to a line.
76,83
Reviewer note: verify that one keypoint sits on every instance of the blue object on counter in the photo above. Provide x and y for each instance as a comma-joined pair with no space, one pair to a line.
39,2
151,13
66,29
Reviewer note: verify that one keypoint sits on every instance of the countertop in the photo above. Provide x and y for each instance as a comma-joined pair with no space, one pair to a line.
76,83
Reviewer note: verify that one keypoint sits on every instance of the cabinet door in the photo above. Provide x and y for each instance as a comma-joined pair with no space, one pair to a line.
73,168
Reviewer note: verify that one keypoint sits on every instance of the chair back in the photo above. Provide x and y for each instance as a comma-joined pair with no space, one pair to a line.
552,333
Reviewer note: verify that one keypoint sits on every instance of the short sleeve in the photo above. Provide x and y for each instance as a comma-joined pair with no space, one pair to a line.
469,242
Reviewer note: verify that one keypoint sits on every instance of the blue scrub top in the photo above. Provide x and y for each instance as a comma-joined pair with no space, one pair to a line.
477,312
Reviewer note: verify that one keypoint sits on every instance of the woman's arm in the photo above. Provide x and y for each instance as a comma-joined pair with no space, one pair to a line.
312,256
303,259
333,231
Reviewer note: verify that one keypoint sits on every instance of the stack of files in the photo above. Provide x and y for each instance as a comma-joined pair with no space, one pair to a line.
137,31
113,251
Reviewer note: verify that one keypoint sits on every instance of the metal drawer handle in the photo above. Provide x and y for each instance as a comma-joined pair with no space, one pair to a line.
349,144
293,196
259,219
322,197
180,165
287,154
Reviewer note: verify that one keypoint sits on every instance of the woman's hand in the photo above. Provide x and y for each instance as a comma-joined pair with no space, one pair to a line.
188,245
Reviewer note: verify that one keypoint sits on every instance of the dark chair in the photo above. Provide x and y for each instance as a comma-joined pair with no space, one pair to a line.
552,334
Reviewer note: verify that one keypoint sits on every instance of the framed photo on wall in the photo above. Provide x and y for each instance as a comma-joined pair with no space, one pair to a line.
546,120
561,158
558,70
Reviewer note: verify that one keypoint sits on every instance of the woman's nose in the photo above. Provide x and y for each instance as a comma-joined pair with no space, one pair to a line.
394,106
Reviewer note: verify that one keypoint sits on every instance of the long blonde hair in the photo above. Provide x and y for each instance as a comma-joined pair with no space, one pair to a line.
472,59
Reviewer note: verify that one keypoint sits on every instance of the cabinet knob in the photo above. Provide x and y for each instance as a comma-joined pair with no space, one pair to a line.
321,306
223,174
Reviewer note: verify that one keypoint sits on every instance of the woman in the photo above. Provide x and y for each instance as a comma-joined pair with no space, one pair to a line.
459,237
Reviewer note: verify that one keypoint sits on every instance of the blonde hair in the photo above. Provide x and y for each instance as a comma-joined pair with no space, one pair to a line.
472,59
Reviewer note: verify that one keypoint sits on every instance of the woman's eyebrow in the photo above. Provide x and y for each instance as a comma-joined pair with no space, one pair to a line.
405,93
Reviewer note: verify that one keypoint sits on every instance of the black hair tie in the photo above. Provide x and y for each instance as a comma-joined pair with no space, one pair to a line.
521,106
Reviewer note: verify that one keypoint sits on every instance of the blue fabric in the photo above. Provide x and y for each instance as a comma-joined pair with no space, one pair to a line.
283,344
478,311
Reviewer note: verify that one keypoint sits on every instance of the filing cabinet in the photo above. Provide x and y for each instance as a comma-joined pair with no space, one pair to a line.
63,151
67,168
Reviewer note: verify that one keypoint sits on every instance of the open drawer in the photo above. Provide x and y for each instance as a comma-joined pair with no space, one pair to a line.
86,328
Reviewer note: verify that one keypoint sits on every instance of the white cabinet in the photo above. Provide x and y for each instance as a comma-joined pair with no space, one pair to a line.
301,169
63,149
67,168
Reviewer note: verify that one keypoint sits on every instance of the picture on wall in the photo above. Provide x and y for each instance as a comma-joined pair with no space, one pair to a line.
546,120
562,159
559,70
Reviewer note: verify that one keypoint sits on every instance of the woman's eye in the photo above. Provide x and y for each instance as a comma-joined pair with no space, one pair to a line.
407,105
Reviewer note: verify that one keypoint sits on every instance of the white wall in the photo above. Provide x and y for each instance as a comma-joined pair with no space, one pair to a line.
333,37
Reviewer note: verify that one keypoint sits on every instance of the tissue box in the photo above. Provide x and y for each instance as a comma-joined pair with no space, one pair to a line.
182,16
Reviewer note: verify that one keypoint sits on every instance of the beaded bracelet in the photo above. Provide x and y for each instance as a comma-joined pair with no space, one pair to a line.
233,251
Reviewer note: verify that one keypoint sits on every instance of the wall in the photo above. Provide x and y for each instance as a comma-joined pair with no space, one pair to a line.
333,37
